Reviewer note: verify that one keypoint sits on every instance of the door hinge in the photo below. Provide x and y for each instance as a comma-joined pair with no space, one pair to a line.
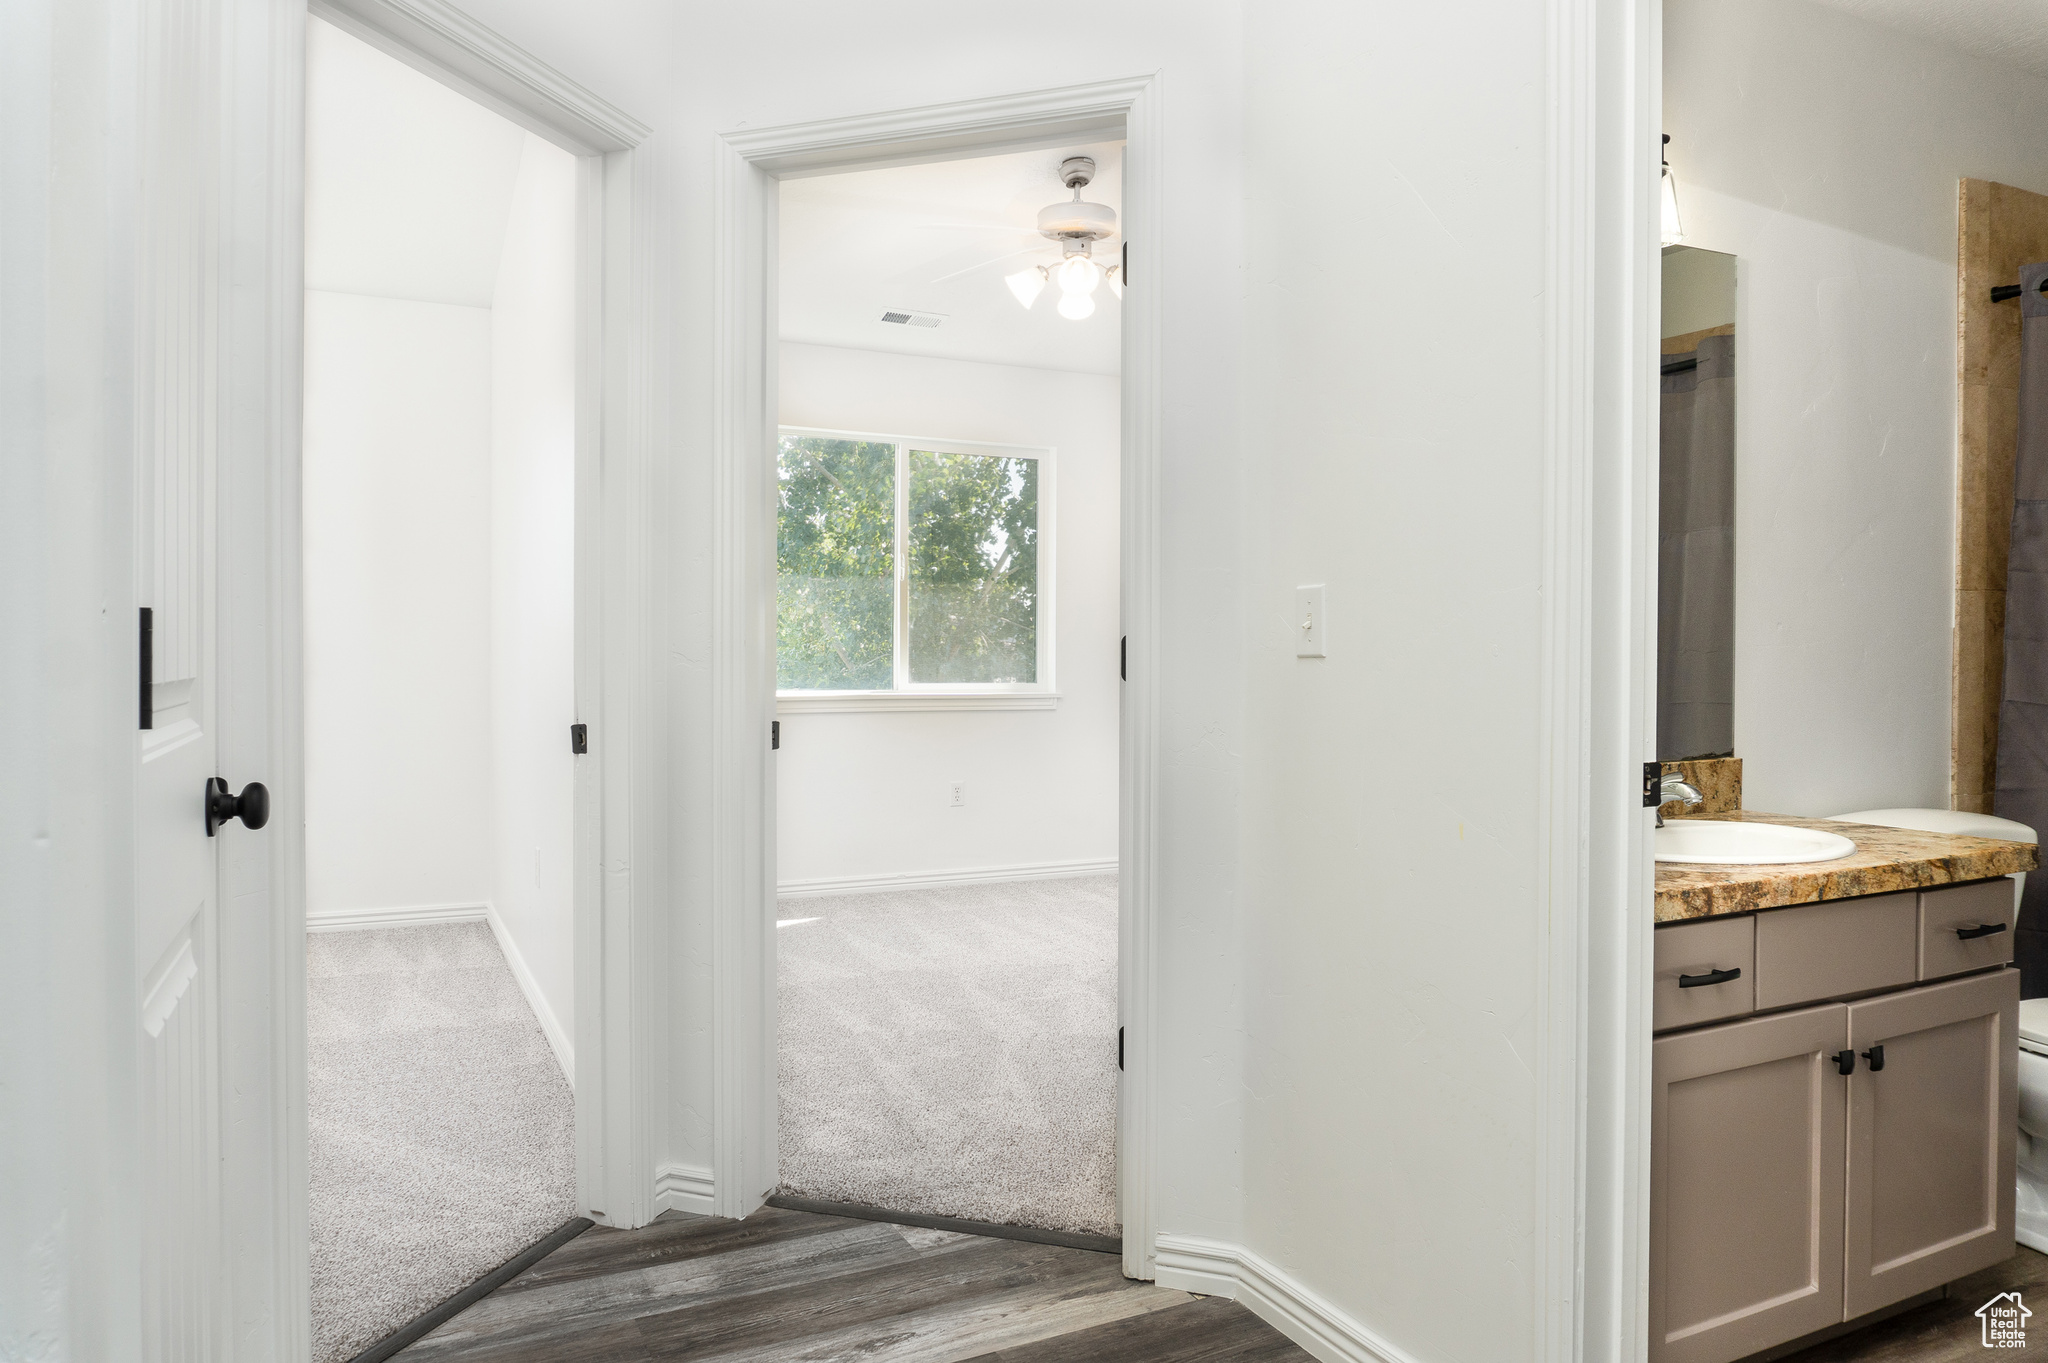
1653,779
774,734
146,649
579,738
1123,658
1119,1048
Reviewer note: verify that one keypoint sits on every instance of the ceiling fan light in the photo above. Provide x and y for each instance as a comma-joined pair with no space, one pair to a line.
1075,306
1026,284
1079,276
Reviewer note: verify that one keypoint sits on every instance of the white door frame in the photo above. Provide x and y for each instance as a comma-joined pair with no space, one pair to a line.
1602,280
750,163
616,800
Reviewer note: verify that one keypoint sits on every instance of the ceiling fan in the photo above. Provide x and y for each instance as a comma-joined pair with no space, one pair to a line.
1076,226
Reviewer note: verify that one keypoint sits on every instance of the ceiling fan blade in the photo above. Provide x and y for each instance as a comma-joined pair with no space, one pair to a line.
1012,255
1010,228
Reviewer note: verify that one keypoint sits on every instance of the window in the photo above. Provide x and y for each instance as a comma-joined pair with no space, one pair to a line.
912,572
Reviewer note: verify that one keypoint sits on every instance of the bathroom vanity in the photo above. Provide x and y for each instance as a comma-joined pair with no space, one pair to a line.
1833,1085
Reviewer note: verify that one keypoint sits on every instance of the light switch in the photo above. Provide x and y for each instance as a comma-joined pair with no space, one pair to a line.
1309,639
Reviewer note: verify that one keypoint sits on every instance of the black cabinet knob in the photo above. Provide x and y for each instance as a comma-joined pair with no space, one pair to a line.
252,806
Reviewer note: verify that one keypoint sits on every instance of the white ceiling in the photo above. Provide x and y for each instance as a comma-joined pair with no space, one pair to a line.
856,245
2011,31
408,183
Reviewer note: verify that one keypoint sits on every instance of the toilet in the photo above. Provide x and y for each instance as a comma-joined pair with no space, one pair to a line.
2030,1211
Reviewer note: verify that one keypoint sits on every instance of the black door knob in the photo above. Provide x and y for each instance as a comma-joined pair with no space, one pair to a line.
252,806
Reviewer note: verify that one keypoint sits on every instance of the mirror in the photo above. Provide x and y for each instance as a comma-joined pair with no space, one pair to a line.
1696,517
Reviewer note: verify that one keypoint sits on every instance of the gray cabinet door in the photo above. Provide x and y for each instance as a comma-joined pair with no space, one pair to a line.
1746,1177
1931,1137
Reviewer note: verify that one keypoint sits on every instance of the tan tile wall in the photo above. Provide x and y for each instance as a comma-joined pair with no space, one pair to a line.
1999,229
1717,778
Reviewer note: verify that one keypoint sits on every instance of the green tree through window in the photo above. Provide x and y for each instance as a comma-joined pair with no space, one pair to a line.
969,543
835,552
973,568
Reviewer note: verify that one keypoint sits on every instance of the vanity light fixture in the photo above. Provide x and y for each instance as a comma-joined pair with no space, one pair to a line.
1673,231
1076,226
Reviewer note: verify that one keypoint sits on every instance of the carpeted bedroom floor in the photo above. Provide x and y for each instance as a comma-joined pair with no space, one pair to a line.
440,1129
952,1051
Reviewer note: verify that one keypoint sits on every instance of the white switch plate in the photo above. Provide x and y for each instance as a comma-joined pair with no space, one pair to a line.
1309,637
959,795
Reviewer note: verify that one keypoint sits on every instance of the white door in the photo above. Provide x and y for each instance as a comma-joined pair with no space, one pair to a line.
213,367
177,426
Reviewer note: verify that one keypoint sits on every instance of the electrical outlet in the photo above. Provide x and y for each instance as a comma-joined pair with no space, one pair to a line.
1309,640
959,800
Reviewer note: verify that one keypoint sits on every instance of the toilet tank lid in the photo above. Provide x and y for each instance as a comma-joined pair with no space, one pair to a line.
2034,1020
1961,822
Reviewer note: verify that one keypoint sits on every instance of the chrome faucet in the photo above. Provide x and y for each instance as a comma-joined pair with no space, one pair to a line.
1672,786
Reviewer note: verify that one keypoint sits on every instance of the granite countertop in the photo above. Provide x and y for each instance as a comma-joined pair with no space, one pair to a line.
1885,859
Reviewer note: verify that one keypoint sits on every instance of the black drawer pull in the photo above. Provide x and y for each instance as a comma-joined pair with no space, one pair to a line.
1981,930
1875,1055
1711,977
1845,1062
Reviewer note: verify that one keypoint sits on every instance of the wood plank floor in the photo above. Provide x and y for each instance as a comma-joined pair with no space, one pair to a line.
1945,1331
794,1287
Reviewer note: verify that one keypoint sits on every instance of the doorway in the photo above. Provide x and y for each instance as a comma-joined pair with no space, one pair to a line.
947,688
439,474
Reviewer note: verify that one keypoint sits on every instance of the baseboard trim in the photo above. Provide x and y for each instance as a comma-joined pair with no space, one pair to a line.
1215,1268
550,1025
1194,1264
684,1188
403,916
426,915
973,875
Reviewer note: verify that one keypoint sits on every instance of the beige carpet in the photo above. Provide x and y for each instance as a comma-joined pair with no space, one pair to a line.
440,1131
952,1051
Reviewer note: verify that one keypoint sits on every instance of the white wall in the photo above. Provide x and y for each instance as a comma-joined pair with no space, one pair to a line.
1824,152
1394,409
398,603
867,794
532,579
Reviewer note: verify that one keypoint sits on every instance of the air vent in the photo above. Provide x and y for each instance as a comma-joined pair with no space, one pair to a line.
914,319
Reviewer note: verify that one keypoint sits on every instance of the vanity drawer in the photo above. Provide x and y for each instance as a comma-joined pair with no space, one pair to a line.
1697,951
1828,951
1952,909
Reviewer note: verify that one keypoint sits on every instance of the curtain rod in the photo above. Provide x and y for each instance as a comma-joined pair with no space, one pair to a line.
2005,293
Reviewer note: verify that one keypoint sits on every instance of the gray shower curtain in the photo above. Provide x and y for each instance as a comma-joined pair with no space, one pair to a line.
1696,554
2022,791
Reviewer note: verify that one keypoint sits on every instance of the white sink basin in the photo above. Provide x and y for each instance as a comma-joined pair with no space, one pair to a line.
1746,844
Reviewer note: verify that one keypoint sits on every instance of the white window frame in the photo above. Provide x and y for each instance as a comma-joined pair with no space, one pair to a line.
909,695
